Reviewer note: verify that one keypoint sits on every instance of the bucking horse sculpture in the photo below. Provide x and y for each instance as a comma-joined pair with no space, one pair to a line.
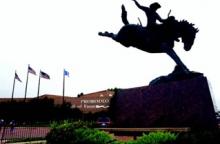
159,40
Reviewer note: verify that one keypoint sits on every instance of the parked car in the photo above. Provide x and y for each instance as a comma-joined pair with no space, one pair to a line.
103,122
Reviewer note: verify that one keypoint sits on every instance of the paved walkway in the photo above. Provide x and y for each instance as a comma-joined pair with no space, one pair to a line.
31,142
23,132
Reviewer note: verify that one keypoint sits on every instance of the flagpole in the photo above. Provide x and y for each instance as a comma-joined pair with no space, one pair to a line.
12,95
38,86
25,94
63,85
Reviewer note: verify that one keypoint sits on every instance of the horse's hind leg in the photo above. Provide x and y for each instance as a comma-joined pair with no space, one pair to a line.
108,34
115,37
175,57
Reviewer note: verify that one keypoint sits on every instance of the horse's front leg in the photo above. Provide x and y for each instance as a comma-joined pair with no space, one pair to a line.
174,56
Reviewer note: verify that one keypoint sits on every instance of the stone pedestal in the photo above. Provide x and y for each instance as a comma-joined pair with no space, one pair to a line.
182,103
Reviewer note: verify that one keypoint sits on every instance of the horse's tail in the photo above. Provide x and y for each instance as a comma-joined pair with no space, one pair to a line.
124,15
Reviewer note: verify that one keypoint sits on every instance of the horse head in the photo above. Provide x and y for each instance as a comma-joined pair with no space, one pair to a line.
187,32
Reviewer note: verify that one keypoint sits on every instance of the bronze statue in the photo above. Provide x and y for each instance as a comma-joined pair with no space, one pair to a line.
156,38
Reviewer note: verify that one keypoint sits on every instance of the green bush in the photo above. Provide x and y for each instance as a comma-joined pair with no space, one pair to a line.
62,133
76,133
75,124
80,132
155,138
92,136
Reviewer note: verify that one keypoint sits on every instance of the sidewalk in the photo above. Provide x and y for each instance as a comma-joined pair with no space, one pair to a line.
31,142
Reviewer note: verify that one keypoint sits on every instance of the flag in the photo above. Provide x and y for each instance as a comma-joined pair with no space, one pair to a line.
17,78
66,73
44,75
30,70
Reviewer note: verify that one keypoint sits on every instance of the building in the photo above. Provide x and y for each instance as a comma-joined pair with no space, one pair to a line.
92,102
87,103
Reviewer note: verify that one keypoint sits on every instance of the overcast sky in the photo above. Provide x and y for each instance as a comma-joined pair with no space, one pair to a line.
55,34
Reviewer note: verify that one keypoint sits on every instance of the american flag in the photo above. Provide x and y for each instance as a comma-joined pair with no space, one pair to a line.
44,75
17,78
30,70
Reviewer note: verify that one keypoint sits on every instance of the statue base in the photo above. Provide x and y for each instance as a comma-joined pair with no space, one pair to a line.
185,102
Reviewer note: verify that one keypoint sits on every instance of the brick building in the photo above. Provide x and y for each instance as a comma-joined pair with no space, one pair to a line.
92,102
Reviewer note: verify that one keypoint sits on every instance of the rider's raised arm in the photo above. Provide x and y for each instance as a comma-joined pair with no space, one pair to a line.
160,19
138,5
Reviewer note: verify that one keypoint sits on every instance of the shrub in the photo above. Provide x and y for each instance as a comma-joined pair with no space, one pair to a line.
76,133
92,136
155,138
75,124
62,133
80,132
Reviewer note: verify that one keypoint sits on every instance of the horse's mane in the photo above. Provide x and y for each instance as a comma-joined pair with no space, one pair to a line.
189,26
188,32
